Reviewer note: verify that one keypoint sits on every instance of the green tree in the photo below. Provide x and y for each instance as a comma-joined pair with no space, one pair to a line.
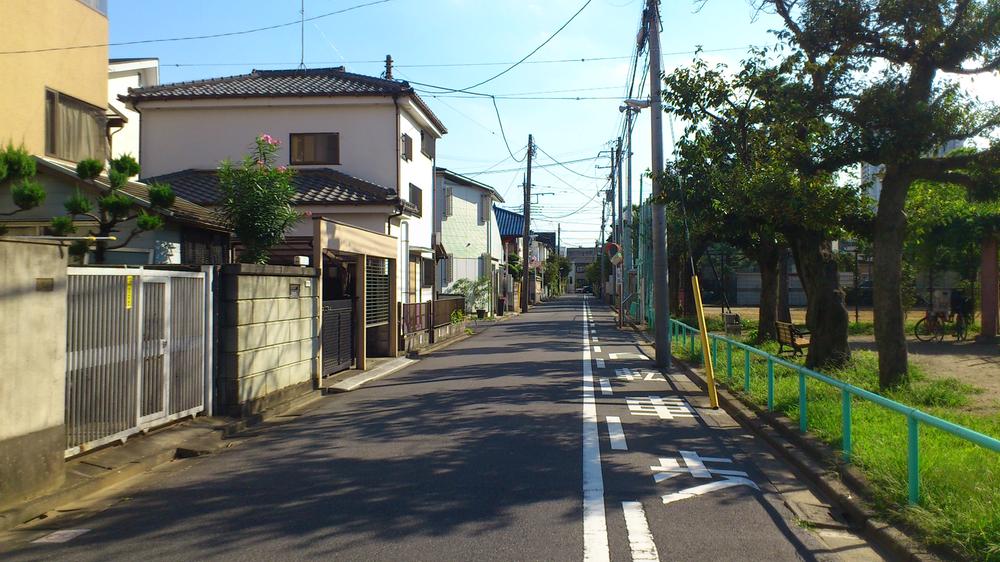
556,271
873,70
257,200
17,169
114,207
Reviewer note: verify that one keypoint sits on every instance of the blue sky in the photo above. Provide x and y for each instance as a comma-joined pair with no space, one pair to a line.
435,32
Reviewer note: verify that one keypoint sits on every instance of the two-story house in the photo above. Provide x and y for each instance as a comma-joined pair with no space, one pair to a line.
363,149
579,260
54,103
124,74
469,233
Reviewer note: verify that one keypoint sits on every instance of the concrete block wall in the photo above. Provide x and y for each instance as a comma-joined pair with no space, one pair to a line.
33,368
270,335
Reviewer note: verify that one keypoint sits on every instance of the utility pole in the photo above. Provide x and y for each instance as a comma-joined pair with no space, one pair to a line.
627,246
526,242
600,249
661,322
620,229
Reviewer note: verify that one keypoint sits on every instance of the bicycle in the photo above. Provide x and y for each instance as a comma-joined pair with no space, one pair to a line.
934,325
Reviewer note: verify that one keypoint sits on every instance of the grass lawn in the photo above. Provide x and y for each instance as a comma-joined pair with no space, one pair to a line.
959,481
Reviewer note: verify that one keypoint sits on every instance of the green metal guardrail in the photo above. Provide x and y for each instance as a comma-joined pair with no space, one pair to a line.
914,417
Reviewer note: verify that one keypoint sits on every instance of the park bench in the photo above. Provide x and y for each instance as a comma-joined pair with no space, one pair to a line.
733,325
791,337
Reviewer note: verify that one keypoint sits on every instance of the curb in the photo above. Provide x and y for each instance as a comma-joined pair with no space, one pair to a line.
363,378
844,484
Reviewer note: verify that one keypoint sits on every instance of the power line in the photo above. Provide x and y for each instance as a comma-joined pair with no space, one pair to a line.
567,168
488,171
535,50
194,37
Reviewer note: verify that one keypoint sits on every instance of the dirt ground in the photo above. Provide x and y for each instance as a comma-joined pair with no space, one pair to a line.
976,364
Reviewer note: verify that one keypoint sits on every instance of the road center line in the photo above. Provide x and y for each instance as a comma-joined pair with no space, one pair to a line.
616,434
640,539
595,528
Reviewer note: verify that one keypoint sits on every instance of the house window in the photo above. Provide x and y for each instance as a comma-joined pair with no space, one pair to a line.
407,148
314,148
427,145
417,198
74,129
427,272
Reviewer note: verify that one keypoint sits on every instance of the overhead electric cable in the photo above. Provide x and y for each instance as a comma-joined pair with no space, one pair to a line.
567,168
194,37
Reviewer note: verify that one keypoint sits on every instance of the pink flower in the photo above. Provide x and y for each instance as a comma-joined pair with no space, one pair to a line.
269,139
281,168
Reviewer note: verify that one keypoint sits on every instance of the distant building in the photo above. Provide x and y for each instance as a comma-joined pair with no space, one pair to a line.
579,259
124,74
871,174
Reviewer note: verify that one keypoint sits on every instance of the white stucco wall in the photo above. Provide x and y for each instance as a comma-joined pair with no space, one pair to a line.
121,77
201,133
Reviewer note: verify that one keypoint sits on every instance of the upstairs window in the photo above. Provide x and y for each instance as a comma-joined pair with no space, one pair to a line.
74,129
406,151
427,141
417,198
314,148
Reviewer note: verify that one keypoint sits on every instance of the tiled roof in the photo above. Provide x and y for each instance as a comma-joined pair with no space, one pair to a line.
313,186
314,82
182,209
509,223
547,238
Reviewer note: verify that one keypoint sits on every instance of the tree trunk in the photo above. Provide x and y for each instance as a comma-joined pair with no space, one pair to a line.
888,238
767,261
784,306
674,278
826,312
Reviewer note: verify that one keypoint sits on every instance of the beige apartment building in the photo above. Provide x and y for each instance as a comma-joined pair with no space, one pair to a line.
66,89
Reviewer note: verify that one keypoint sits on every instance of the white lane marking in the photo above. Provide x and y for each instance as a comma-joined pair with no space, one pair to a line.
64,535
606,387
616,434
664,408
729,482
628,356
600,363
597,349
595,527
640,539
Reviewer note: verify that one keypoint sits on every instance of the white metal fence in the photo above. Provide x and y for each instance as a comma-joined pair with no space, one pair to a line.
139,351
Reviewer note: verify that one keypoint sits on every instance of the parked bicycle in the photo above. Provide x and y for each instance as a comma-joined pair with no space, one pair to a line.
935,324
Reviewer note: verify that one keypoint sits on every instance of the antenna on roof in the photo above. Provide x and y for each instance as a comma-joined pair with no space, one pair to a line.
302,35
388,67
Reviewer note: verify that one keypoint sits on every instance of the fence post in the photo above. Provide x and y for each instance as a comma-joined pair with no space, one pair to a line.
715,348
691,333
729,361
845,423
746,370
770,383
913,458
803,414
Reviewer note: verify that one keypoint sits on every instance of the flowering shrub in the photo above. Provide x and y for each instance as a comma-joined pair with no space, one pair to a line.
257,199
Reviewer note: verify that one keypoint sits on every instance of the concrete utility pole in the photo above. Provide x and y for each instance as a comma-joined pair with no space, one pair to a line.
526,242
620,230
600,249
661,322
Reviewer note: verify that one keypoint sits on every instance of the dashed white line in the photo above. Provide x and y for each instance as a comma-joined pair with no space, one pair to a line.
628,356
606,387
640,539
595,527
616,434
600,363
64,535
597,349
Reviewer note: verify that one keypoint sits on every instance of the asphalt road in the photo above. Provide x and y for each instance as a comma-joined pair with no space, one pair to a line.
497,448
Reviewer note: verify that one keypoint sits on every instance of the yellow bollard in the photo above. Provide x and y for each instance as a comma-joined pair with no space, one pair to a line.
713,397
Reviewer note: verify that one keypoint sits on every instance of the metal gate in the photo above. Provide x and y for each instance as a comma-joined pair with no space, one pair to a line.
138,351
338,335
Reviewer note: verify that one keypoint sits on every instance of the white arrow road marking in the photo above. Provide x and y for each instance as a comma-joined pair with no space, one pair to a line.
606,387
616,434
65,535
729,482
640,539
600,363
595,526
614,356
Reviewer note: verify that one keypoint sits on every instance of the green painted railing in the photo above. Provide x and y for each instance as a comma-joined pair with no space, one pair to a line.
687,336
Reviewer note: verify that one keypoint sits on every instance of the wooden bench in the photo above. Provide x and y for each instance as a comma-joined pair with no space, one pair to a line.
733,325
791,337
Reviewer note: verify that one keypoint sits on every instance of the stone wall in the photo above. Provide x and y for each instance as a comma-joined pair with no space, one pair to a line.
270,335
33,368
